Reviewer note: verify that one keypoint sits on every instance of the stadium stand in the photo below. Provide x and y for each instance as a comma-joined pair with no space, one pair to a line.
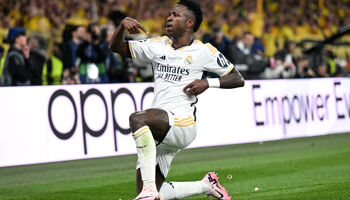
50,26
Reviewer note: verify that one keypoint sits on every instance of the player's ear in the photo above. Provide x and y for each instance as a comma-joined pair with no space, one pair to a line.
190,23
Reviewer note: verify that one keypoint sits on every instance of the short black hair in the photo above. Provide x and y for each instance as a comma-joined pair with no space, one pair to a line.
196,8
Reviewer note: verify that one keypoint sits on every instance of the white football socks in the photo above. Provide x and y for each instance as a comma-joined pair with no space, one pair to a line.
146,153
179,190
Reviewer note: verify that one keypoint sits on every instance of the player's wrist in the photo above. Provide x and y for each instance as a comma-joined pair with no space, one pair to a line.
213,82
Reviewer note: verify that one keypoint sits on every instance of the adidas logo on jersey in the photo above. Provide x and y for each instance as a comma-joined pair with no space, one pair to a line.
162,57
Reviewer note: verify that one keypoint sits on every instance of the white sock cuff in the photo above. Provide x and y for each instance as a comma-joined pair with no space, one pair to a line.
140,131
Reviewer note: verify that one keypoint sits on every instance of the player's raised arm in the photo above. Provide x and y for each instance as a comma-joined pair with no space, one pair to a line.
118,44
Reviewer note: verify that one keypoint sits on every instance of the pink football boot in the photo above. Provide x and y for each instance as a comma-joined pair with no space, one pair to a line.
215,188
148,194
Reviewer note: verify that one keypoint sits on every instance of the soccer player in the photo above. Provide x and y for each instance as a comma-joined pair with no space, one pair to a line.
179,63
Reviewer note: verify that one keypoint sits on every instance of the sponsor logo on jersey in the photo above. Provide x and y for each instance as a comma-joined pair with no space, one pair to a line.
222,61
170,73
162,57
188,60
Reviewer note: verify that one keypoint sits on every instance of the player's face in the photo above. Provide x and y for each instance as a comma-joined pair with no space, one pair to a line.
177,21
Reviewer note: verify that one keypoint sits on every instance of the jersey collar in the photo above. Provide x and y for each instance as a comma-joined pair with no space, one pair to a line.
180,48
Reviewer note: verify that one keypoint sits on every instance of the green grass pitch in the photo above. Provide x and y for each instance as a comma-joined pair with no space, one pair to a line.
303,168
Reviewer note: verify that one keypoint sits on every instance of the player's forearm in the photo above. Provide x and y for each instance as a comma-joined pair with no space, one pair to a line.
232,80
118,44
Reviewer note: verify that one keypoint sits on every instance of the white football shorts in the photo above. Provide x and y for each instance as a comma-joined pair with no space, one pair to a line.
182,132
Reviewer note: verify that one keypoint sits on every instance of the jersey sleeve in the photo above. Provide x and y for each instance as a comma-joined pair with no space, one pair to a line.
216,62
141,50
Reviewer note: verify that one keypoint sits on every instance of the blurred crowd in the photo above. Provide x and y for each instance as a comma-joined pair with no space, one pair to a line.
66,41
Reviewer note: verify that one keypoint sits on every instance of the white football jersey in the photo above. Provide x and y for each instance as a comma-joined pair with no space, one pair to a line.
173,69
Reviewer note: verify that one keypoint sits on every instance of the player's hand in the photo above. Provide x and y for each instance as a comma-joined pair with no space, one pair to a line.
196,87
132,25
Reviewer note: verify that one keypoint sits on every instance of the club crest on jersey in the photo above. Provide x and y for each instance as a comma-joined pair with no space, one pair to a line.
188,60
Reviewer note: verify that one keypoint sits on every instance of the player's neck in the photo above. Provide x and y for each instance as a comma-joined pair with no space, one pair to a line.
182,41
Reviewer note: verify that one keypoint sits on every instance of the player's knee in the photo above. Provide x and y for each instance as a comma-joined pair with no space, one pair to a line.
137,120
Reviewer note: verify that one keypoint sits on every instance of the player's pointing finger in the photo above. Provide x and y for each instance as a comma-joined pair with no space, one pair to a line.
143,28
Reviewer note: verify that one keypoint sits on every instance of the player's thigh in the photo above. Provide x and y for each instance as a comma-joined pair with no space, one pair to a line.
158,122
